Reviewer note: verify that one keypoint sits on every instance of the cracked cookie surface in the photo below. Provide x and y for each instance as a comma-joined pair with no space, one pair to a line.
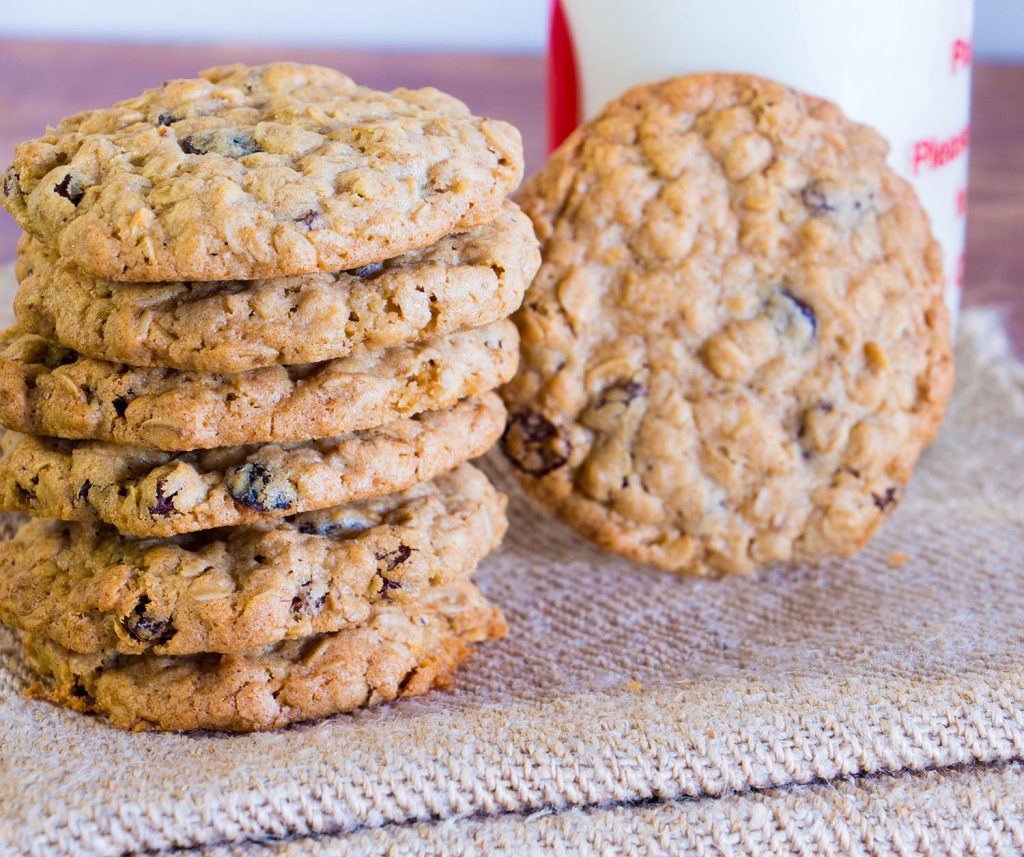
268,171
736,346
90,589
460,282
150,493
50,390
397,651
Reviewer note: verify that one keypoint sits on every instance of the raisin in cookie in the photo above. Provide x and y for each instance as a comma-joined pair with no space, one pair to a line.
90,589
271,171
397,650
463,281
48,389
736,346
150,493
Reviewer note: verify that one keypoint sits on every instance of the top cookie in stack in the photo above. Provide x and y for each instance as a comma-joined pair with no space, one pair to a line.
271,300
259,172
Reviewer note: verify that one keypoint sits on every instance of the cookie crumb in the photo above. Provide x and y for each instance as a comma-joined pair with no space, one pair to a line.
633,686
898,558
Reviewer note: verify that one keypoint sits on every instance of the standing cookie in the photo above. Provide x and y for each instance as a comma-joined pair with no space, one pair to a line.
736,346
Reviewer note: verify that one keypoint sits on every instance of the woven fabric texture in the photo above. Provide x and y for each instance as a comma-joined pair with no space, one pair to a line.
948,811
622,685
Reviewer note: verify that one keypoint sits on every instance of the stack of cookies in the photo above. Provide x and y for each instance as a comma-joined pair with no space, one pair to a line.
260,318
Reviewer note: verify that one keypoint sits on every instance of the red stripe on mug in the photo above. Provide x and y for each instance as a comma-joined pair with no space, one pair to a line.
563,83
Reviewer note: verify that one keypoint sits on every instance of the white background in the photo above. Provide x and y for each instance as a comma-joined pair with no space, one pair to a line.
488,25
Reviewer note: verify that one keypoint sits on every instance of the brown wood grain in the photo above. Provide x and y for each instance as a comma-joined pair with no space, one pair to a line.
994,270
40,82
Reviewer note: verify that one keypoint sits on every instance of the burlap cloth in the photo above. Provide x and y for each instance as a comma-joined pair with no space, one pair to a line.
853,707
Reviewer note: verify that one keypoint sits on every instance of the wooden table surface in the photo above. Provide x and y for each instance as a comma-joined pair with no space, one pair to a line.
40,82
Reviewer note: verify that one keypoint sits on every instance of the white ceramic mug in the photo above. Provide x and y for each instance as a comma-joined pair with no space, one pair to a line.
901,66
